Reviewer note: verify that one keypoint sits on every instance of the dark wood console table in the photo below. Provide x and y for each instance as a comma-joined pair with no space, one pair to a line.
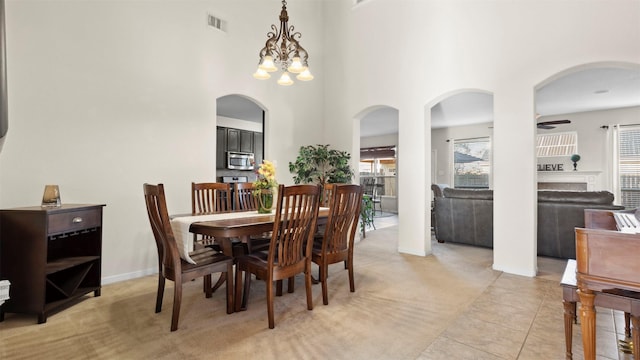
51,256
607,263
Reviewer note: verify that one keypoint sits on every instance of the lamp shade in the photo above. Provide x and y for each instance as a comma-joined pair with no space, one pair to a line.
285,79
267,64
296,66
261,74
305,75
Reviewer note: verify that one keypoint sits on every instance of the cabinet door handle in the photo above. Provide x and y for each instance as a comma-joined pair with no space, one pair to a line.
77,220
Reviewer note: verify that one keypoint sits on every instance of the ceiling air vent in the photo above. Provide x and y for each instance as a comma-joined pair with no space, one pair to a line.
216,22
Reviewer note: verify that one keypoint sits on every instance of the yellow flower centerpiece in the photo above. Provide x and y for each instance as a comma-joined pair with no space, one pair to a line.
264,185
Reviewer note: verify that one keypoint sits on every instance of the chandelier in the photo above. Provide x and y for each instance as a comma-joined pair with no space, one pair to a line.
283,49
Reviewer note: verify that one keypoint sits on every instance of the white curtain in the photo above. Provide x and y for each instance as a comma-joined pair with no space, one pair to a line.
613,146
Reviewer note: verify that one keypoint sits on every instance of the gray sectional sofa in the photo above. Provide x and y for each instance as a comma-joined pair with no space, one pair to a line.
466,216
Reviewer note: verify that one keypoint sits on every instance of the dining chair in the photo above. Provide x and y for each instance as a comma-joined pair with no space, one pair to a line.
246,201
372,189
327,192
325,199
243,196
289,250
174,268
211,198
336,246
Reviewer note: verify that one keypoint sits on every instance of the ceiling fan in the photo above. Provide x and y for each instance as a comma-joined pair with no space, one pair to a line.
549,124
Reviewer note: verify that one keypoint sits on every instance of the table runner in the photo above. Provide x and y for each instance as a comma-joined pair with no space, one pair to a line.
184,238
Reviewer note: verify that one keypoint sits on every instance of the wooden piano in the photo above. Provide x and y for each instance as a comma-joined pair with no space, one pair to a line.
608,261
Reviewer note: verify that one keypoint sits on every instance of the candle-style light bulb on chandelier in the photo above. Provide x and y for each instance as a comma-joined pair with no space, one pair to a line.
283,49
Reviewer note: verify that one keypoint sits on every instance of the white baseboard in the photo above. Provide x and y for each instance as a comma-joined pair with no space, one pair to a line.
128,276
412,252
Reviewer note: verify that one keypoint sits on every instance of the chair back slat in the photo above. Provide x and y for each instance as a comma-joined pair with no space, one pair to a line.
244,198
327,192
207,198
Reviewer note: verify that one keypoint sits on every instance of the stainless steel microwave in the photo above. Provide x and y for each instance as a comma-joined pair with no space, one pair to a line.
240,160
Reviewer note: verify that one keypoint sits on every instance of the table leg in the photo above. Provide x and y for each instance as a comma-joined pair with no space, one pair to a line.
569,316
588,323
635,332
227,248
225,245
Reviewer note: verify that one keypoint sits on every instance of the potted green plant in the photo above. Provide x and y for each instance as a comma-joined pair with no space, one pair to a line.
321,165
575,158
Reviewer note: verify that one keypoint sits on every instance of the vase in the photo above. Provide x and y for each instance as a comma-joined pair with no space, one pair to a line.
265,201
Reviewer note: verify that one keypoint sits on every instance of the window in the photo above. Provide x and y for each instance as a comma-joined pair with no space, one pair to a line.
471,163
629,166
557,144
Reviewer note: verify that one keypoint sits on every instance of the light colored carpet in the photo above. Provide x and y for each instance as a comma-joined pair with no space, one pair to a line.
404,307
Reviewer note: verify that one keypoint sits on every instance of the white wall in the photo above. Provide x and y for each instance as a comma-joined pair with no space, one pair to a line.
436,47
107,95
381,140
238,124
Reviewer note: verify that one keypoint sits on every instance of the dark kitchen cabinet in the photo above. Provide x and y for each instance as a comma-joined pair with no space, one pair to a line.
246,141
230,139
51,256
221,147
258,148
239,140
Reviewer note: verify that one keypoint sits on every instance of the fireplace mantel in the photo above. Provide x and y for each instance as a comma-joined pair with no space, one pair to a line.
588,177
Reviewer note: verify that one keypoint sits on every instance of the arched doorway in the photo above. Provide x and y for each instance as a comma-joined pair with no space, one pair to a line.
588,102
585,113
461,157
377,161
240,128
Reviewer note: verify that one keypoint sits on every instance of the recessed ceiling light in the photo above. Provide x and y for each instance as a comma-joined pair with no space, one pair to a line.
604,91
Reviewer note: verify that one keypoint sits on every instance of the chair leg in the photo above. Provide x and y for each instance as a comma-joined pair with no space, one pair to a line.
247,289
177,300
207,286
307,282
349,263
290,284
230,288
160,292
270,303
352,286
221,280
279,288
238,286
323,280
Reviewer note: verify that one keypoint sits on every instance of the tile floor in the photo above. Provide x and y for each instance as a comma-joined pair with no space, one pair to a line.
503,323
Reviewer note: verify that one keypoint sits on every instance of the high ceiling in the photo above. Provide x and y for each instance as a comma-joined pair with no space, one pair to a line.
586,90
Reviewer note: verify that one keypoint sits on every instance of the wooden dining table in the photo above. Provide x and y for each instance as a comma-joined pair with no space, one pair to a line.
242,227
224,227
